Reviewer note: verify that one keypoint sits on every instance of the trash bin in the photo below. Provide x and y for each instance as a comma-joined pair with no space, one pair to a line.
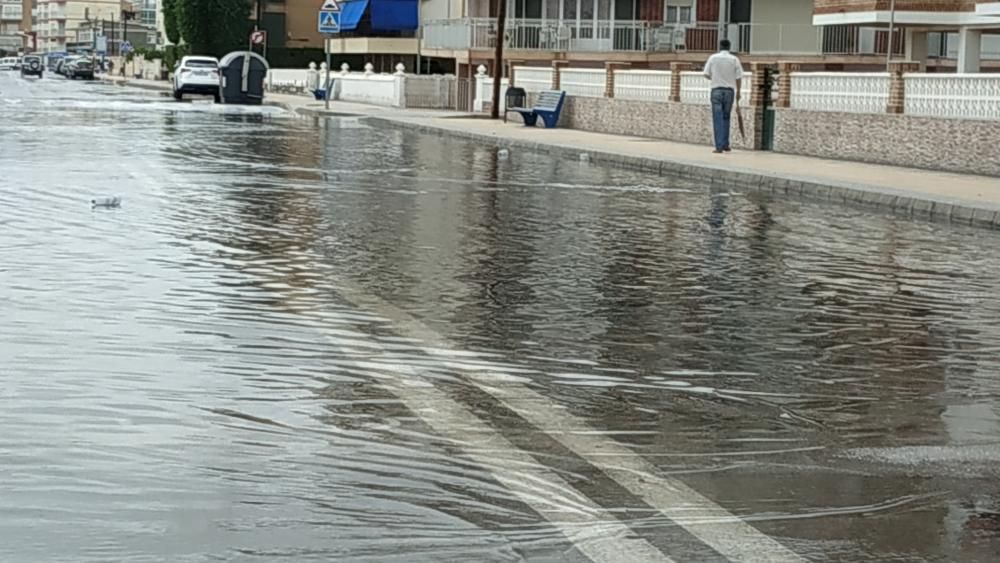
242,78
515,98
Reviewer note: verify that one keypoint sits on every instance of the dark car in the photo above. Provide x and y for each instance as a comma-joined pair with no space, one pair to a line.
82,69
32,65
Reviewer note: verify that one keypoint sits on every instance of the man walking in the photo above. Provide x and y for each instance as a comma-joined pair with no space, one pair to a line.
725,72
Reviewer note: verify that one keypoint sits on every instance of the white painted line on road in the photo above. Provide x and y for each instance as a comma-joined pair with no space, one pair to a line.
591,529
700,516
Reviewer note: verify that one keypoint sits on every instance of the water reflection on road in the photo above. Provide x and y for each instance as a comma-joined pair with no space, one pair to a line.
213,370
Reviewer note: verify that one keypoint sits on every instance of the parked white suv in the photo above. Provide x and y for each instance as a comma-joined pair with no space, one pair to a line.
8,63
197,75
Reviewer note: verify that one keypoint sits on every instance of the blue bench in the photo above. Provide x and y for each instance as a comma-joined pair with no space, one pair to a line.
548,107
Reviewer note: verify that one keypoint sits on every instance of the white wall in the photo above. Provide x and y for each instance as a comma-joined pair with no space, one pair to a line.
783,26
434,10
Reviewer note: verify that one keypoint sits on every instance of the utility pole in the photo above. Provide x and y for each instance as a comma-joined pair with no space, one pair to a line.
498,57
892,31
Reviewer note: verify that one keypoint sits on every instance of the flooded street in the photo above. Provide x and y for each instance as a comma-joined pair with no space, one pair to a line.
328,340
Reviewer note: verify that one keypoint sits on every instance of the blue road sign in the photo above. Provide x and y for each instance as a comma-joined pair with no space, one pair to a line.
329,22
126,47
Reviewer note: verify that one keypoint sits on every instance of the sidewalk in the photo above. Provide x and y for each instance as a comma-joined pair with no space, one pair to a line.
960,198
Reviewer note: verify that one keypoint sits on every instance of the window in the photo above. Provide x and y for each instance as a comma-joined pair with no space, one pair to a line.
679,13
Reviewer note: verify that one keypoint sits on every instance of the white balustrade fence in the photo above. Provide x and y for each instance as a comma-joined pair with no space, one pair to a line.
484,92
696,89
964,96
533,79
286,78
841,91
374,89
588,82
434,92
645,85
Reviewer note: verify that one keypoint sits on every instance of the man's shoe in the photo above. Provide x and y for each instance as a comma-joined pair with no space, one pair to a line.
717,151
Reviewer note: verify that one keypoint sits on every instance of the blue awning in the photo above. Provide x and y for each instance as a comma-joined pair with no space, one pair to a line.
351,13
394,15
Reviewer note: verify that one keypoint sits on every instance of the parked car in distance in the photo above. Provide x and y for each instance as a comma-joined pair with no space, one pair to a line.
197,75
82,69
8,63
32,65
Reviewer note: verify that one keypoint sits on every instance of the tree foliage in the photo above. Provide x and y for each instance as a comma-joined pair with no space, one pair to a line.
213,27
171,20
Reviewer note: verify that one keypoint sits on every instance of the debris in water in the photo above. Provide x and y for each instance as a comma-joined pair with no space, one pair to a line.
503,154
106,202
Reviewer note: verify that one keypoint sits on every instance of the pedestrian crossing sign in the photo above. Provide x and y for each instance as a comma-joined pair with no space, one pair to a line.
329,22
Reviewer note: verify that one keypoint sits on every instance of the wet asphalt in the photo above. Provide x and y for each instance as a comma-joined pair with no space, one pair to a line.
301,339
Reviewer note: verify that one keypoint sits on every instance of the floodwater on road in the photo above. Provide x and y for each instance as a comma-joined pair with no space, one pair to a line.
317,340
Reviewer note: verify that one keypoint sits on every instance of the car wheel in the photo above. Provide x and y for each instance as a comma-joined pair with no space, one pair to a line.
218,98
178,95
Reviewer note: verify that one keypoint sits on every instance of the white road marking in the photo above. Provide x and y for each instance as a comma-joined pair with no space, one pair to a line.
591,529
700,516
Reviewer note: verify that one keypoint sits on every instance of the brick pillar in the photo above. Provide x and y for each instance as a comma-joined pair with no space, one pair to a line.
675,79
759,71
609,77
785,70
897,88
557,73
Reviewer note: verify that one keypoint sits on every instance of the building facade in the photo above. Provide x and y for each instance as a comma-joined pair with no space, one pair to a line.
13,25
966,30
57,21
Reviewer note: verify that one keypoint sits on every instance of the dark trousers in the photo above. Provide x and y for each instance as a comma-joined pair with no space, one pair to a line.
722,112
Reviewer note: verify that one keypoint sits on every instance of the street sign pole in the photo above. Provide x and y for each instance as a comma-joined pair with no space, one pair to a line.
329,24
326,85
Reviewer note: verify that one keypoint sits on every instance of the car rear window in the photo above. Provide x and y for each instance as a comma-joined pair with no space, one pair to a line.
201,64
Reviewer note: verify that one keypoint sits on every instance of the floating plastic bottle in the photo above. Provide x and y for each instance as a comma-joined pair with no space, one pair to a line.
106,202
503,154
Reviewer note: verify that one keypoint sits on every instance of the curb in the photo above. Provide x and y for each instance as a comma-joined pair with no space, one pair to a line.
899,202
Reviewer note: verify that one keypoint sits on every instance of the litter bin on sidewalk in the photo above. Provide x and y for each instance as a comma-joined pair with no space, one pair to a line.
242,78
514,98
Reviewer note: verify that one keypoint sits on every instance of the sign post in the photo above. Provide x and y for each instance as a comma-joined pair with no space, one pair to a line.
329,24
259,37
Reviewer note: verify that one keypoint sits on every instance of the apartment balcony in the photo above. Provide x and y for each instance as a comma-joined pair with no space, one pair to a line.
843,6
988,9
915,13
551,36
11,12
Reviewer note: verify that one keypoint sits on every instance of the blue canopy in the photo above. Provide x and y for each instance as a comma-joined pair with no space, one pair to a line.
394,15
350,14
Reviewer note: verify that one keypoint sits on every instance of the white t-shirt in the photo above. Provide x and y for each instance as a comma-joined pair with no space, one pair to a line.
723,69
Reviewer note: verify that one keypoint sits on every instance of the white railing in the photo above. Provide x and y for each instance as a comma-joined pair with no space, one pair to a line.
696,89
374,89
588,82
448,34
435,92
965,96
645,85
533,79
840,91
604,36
286,78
